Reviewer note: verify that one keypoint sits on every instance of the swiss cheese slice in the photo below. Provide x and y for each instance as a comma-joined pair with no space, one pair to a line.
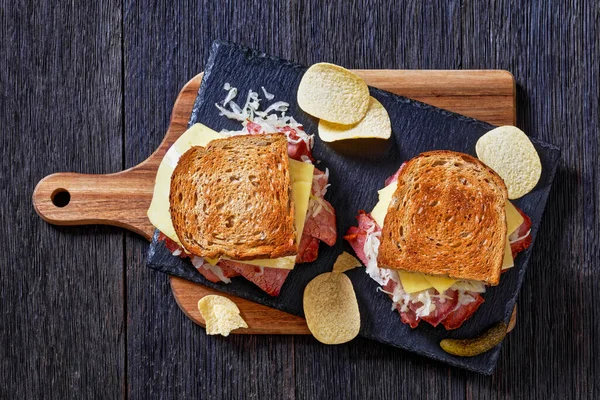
301,175
385,198
440,283
413,281
507,261
158,213
514,219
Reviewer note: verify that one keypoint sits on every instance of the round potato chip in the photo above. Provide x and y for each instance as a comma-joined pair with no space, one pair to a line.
333,93
220,314
375,124
331,309
508,151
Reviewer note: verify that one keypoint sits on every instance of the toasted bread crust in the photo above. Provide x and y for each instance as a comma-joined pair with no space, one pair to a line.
233,199
447,217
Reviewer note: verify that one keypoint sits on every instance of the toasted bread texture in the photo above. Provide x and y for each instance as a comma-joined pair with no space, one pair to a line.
447,217
233,199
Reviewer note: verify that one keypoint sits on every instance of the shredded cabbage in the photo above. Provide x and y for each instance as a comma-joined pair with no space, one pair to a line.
268,95
199,262
272,120
513,238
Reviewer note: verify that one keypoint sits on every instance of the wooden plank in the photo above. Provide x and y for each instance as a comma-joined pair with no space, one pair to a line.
62,324
554,351
51,51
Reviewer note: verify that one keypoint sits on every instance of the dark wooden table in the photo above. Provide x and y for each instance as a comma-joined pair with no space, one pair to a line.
89,88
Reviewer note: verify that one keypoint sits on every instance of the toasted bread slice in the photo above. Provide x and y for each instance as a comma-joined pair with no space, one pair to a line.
233,199
447,217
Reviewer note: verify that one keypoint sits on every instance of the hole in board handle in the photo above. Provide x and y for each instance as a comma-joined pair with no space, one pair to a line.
60,197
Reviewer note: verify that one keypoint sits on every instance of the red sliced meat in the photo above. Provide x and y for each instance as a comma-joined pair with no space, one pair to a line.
253,128
320,181
320,221
171,245
408,317
442,310
211,276
320,224
523,232
394,177
357,236
299,149
268,279
320,218
208,274
456,318
308,250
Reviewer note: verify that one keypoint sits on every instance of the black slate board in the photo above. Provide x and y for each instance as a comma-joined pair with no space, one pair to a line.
357,170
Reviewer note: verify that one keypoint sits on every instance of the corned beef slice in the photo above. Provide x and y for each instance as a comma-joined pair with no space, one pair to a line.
268,279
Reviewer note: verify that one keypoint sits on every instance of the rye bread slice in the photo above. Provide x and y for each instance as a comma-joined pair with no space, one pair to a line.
233,199
447,217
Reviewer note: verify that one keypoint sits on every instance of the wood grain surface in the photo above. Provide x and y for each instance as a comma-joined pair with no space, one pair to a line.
89,87
122,199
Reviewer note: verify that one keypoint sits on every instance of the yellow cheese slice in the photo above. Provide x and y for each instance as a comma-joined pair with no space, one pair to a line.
507,261
385,198
413,281
212,261
301,175
158,213
513,218
440,283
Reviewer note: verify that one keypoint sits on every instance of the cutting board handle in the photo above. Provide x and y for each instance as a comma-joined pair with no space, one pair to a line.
119,199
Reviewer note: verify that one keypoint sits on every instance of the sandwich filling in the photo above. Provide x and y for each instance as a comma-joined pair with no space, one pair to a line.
419,296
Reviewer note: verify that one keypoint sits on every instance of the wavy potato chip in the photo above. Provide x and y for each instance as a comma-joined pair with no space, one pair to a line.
508,151
333,93
345,262
375,124
331,308
220,314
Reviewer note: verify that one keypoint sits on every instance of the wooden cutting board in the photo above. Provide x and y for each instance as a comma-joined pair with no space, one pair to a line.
122,198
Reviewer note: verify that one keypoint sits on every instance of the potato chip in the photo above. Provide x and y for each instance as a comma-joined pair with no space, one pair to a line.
509,152
220,314
331,308
375,124
333,93
345,262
